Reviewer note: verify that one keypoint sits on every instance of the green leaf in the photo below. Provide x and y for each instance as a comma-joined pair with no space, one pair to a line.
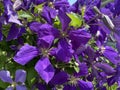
76,20
77,69
23,14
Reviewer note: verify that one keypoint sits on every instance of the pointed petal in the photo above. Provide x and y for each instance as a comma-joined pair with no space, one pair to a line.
35,26
12,16
59,78
64,19
20,76
13,33
9,88
79,37
25,54
48,13
108,52
5,76
85,85
21,87
105,67
64,51
45,69
46,41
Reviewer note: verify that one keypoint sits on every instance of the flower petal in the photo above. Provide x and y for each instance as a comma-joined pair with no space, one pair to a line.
85,85
64,51
59,78
79,37
45,69
25,54
5,76
20,76
105,67
9,88
21,87
64,19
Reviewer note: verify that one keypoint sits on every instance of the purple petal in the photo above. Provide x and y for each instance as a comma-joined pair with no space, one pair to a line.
41,86
20,76
46,41
68,87
25,54
83,70
111,55
105,67
21,87
45,69
79,37
12,16
59,78
85,85
35,26
13,33
5,76
9,88
64,51
47,29
64,19
48,14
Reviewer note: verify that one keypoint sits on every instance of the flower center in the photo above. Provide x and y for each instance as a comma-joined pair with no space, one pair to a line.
73,80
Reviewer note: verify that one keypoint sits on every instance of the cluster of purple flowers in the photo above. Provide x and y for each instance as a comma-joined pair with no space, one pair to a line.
68,47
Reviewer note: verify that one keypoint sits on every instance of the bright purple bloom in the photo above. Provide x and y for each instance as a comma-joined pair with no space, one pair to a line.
43,66
20,77
10,14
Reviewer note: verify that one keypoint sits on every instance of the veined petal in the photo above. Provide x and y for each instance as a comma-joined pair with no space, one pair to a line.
64,19
13,33
20,76
105,67
64,51
25,54
45,69
46,41
21,87
35,26
79,37
111,55
85,85
5,76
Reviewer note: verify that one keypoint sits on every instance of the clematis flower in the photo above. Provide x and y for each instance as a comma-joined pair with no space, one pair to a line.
18,83
10,14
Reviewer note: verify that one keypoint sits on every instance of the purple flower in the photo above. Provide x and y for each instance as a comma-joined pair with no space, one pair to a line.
108,52
18,83
10,14
43,66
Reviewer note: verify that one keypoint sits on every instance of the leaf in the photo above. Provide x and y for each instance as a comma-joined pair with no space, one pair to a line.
76,20
77,69
23,14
